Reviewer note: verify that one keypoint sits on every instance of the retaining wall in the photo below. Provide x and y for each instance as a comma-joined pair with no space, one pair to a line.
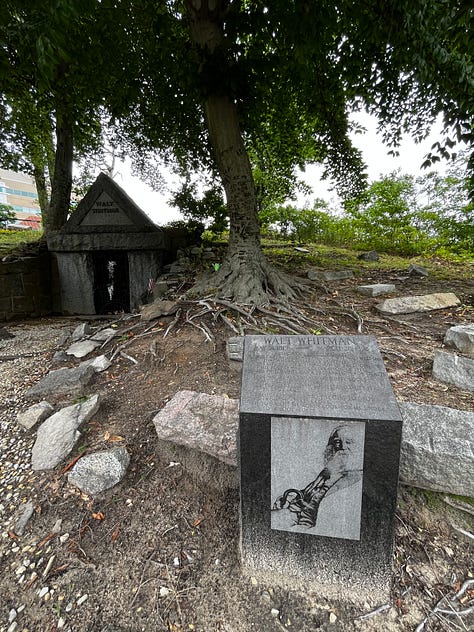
25,287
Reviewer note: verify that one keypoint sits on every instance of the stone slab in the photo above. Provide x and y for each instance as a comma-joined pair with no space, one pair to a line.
412,304
58,435
104,334
316,376
200,432
95,473
63,382
82,348
321,408
454,369
437,448
462,338
330,275
35,414
235,348
378,289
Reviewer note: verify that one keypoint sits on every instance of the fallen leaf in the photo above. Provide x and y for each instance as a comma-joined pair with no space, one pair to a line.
12,535
114,535
98,516
115,438
107,436
197,522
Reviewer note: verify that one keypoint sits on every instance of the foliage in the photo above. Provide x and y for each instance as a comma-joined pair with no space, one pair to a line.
6,215
398,214
208,208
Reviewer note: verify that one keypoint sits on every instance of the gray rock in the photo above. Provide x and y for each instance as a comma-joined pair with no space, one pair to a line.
63,382
437,448
200,431
416,270
454,369
81,331
35,414
235,348
461,337
330,275
104,334
58,435
95,473
378,289
26,511
157,309
373,255
99,364
59,357
412,304
82,348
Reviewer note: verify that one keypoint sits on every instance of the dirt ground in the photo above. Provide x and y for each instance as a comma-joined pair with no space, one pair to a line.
159,552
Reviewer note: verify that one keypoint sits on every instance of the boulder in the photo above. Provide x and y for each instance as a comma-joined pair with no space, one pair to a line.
412,304
416,270
373,255
454,369
437,450
94,473
58,435
35,414
378,289
330,275
63,382
461,337
200,432
157,309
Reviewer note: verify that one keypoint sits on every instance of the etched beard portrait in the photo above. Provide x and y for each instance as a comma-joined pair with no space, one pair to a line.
317,469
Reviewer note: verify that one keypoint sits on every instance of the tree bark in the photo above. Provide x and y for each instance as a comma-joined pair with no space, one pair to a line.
58,209
245,276
42,190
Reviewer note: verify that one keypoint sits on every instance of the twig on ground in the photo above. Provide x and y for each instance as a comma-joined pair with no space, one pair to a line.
439,610
375,612
127,357
459,504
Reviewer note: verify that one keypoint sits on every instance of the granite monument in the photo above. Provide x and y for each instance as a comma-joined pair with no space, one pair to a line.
319,440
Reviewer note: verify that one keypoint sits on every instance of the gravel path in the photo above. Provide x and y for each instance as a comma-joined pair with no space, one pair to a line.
26,351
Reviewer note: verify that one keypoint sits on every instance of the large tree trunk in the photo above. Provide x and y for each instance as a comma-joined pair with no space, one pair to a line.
41,188
57,213
245,275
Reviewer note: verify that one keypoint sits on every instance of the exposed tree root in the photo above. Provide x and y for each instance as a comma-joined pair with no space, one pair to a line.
250,279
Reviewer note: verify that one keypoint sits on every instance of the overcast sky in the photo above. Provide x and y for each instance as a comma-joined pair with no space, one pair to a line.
374,152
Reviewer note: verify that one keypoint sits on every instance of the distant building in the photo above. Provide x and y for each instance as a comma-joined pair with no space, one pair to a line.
18,190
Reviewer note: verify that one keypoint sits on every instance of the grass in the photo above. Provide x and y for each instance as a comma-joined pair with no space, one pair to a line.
332,257
13,240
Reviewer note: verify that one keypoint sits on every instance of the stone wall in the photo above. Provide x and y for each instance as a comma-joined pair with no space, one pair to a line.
25,287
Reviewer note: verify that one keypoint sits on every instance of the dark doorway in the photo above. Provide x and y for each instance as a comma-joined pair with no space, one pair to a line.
111,282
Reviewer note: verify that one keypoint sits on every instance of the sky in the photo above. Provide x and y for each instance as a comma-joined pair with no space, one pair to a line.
156,205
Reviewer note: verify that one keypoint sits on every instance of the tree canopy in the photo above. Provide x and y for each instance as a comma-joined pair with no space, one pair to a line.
229,85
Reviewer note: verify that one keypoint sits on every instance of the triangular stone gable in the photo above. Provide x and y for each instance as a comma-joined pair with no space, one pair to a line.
107,208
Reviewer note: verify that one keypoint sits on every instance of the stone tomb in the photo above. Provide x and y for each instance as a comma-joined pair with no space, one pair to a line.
319,439
106,253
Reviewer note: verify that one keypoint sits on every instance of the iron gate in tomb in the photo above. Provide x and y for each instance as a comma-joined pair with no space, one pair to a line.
106,254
